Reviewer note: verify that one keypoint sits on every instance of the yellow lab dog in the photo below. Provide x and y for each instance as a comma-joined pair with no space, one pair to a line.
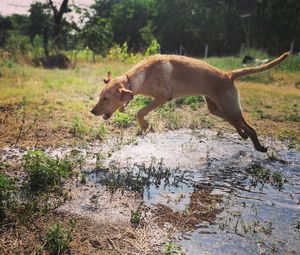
165,77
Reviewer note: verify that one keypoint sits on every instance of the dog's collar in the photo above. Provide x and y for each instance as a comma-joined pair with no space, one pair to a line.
128,83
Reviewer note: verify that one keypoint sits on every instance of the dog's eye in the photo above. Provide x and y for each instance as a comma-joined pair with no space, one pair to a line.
105,98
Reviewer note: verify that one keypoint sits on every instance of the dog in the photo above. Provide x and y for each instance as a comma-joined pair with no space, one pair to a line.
166,77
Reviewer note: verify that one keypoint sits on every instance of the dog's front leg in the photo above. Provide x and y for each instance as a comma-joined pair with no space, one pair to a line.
156,102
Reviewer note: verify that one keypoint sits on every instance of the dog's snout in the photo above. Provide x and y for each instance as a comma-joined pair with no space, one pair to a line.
93,111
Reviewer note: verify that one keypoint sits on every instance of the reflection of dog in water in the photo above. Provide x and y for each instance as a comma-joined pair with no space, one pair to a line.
165,77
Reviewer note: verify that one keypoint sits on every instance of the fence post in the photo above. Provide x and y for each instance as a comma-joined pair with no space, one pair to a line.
292,46
206,51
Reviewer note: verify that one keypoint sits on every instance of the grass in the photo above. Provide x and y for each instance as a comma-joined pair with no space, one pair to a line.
171,249
51,107
58,238
45,173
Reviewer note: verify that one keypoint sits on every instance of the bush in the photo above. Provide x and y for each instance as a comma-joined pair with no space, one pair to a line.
154,48
45,173
120,53
58,238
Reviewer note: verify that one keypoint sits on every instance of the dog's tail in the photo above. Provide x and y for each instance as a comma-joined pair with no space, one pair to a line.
252,70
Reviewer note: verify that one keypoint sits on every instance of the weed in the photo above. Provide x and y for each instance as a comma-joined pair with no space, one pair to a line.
171,249
262,175
193,100
260,114
167,107
135,218
291,64
140,101
123,119
44,172
78,128
58,238
7,187
101,132
173,120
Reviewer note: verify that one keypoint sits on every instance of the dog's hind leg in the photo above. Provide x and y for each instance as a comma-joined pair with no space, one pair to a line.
214,109
156,102
238,120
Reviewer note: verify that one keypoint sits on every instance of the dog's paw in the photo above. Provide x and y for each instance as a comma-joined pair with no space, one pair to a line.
261,148
144,125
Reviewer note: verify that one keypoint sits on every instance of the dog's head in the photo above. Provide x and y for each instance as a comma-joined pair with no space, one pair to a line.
112,97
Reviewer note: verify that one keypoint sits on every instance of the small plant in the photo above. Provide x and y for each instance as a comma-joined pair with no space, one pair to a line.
136,217
262,175
173,120
123,119
78,128
7,186
153,48
171,249
58,238
45,173
101,132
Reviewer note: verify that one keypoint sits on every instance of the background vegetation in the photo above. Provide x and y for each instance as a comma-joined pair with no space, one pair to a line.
179,26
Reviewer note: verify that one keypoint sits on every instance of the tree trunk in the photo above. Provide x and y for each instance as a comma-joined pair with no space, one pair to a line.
46,42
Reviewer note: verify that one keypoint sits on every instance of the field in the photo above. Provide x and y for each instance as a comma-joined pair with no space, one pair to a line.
51,107
49,110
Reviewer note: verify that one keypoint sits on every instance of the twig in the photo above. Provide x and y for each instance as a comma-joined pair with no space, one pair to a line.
21,127
113,245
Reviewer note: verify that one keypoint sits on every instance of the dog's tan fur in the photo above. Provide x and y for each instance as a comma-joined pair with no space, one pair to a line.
165,77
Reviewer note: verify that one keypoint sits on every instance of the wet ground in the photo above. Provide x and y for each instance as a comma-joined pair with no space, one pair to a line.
211,192
259,194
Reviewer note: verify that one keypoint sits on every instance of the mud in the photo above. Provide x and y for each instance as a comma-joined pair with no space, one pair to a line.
210,192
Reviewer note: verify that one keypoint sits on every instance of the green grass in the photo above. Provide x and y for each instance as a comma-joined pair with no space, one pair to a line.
58,238
45,173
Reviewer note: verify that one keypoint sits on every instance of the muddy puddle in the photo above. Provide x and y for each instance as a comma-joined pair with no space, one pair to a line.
212,193
236,200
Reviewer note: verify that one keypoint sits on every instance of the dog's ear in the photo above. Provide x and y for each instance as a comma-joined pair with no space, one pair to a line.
109,77
125,95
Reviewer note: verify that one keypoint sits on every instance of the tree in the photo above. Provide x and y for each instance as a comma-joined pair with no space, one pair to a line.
128,17
5,26
58,21
40,24
97,35
276,24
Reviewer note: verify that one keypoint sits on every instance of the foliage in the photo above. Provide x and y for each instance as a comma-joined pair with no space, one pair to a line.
45,173
123,119
291,64
78,127
127,18
171,249
58,238
136,217
261,175
7,186
97,35
101,132
153,48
